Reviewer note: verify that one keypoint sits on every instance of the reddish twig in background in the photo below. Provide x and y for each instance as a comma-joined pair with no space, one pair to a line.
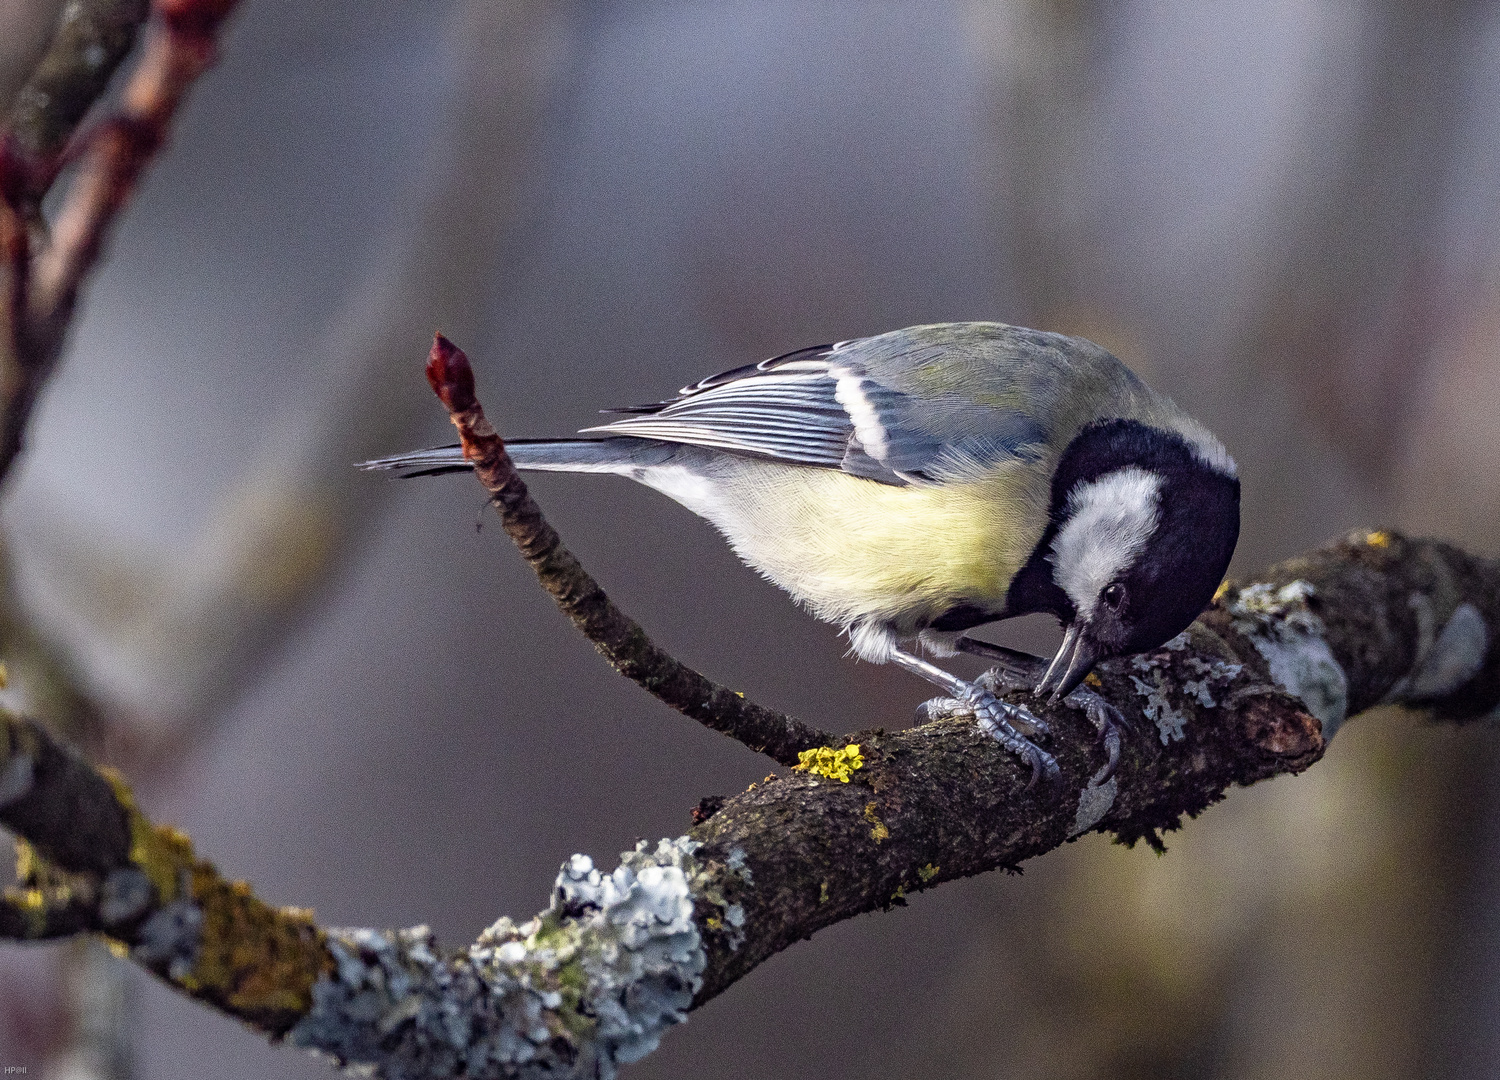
109,160
617,637
93,37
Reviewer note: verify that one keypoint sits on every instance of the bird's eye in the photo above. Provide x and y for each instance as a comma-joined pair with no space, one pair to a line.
1113,596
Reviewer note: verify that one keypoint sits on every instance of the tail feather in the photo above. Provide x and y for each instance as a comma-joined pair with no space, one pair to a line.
430,462
616,455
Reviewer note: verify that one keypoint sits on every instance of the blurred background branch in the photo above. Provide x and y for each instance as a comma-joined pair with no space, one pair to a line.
45,271
185,635
91,39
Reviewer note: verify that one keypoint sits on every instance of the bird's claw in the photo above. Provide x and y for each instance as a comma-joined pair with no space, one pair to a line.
1012,726
998,679
941,708
986,705
1110,723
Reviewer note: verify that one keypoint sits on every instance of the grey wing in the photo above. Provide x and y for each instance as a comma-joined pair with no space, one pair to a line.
782,408
849,406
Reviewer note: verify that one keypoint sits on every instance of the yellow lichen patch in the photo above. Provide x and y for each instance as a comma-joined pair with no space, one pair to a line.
160,851
1378,539
1093,680
28,862
36,906
32,905
831,764
1221,590
823,893
255,961
41,888
259,961
928,872
878,831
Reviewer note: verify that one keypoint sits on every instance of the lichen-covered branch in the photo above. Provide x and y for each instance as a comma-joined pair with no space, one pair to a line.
91,860
618,637
1253,689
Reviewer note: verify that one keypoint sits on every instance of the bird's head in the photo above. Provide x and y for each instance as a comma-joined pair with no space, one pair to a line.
1143,523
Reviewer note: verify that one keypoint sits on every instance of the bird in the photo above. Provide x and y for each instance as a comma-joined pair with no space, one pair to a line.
910,486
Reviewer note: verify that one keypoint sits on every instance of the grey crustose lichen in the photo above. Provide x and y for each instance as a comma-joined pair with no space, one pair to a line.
587,985
1294,642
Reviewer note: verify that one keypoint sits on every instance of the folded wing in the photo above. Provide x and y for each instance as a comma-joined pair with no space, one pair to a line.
839,407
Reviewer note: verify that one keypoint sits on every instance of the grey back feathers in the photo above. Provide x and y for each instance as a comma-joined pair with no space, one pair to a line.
924,405
869,407
783,408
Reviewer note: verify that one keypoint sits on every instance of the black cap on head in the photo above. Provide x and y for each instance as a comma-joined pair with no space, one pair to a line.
1143,524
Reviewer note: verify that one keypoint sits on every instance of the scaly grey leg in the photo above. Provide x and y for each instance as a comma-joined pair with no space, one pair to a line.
1007,724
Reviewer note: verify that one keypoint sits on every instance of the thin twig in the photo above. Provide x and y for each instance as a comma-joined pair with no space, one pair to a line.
44,285
93,37
617,637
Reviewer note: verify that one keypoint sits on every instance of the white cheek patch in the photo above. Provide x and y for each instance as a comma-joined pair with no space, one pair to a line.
850,393
1109,522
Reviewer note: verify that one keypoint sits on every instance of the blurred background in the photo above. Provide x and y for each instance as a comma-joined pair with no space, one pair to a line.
1282,213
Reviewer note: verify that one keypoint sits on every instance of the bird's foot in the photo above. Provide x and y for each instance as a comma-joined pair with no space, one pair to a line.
1012,726
1108,721
1106,718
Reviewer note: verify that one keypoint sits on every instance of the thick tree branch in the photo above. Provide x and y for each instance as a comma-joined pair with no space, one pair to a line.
1250,691
1373,619
618,637
93,861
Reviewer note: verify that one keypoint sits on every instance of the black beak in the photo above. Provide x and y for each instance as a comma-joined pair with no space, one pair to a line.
1074,660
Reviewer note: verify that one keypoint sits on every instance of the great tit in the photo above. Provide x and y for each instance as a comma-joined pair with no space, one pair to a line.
909,486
